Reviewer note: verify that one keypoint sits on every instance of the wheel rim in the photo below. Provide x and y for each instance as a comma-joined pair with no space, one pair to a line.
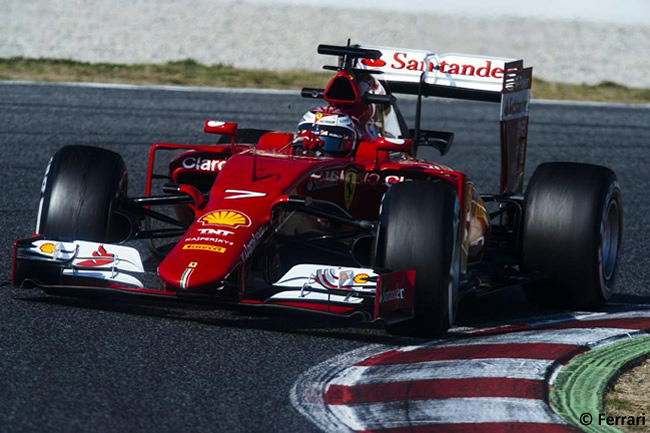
454,271
610,230
451,289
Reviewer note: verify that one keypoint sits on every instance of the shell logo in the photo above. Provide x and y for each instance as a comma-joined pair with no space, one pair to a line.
47,248
361,278
230,218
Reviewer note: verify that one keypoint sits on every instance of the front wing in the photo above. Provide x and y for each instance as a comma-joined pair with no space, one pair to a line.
80,268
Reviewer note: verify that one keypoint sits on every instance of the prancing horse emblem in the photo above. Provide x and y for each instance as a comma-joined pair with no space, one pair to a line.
349,187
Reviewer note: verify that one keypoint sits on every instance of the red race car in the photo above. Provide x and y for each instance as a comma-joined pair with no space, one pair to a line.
337,217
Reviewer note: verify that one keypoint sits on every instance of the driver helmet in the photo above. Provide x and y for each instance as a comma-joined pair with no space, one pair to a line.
334,129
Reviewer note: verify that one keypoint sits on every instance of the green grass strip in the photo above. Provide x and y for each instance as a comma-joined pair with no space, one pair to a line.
579,386
186,72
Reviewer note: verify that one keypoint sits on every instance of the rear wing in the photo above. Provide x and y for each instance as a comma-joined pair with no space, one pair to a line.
447,75
462,76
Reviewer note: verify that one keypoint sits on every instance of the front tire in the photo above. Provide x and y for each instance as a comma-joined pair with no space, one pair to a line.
81,187
572,234
419,230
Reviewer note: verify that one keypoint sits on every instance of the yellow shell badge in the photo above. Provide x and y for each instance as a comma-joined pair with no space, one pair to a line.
229,218
349,187
47,248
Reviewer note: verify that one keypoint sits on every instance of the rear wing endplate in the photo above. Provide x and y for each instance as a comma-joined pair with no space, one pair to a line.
462,76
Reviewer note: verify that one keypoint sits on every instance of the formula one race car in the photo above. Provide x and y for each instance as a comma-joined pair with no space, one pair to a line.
337,217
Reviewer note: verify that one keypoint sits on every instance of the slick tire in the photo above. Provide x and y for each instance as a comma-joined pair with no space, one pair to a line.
571,235
419,230
81,188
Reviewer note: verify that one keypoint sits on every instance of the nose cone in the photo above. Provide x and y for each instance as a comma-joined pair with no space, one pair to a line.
209,251
234,220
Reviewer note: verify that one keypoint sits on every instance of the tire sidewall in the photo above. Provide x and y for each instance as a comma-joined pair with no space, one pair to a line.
79,192
562,235
437,263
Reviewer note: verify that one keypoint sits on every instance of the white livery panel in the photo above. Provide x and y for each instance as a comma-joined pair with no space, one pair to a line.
465,71
329,277
108,262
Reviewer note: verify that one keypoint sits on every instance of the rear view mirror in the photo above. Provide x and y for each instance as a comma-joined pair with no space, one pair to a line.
394,144
217,127
440,140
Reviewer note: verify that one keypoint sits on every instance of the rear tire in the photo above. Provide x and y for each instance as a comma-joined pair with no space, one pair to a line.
419,230
81,187
572,232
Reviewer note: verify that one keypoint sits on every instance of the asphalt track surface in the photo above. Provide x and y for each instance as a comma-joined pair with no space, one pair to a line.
76,365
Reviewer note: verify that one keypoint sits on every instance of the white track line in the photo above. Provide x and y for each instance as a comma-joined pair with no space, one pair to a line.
118,86
273,92
620,315
397,414
575,336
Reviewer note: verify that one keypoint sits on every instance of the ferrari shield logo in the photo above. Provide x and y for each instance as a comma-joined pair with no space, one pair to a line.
349,187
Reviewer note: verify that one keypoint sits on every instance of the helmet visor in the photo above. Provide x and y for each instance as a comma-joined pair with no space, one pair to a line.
336,140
